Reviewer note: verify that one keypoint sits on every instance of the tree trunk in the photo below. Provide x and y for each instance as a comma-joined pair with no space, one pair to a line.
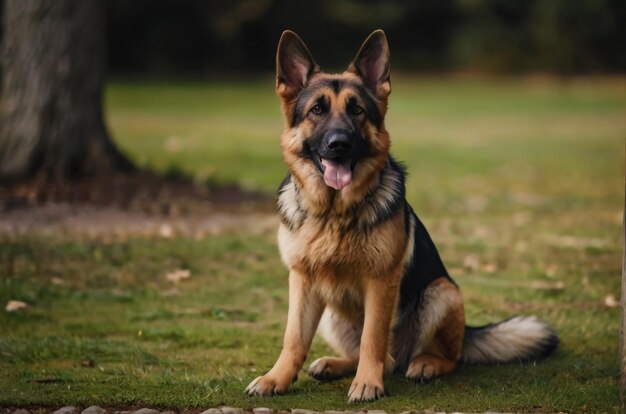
53,66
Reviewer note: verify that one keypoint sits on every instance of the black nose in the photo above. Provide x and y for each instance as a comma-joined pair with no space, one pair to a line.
339,141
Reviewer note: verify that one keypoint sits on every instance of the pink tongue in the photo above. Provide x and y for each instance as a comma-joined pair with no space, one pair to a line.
337,175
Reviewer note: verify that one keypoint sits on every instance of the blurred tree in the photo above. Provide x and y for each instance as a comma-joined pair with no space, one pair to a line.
560,36
196,37
53,65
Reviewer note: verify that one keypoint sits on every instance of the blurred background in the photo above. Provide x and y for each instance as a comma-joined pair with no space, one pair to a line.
188,85
496,92
464,71
197,37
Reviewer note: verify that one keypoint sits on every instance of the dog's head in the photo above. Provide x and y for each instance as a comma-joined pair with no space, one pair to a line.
335,140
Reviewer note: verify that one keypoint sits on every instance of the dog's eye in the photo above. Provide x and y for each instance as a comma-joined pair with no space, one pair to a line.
357,110
317,109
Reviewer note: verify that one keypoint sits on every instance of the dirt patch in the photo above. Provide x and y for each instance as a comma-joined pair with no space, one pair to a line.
112,223
139,204
137,191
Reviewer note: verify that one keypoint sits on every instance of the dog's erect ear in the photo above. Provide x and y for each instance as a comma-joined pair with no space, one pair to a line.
294,65
372,63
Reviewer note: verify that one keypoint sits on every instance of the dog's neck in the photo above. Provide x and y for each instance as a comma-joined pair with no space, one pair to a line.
386,195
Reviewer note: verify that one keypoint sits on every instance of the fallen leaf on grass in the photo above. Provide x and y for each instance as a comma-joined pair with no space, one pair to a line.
542,285
88,363
490,268
15,305
57,281
471,262
611,302
177,275
573,242
166,231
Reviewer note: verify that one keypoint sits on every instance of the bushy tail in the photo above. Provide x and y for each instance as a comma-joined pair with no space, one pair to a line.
520,338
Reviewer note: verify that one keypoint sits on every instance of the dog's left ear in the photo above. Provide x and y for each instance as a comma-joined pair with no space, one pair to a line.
294,65
372,64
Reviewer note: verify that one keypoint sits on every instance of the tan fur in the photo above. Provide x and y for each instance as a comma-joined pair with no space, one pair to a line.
319,198
339,262
355,274
348,249
358,279
304,313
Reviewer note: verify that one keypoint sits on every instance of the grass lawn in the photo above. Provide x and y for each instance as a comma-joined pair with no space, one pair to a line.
520,182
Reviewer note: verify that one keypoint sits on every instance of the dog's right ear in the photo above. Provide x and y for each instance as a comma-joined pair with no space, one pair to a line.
372,64
294,65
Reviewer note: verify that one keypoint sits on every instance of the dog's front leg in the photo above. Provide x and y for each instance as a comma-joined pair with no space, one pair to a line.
305,311
380,300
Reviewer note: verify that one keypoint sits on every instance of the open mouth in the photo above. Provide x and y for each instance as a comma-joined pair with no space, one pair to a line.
337,173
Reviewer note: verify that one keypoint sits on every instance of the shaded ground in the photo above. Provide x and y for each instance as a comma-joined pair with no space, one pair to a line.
141,204
139,191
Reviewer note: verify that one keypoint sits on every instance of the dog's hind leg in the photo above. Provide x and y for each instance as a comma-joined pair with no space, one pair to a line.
344,337
442,325
331,368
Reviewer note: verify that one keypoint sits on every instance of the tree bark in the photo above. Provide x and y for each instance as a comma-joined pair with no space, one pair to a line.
53,66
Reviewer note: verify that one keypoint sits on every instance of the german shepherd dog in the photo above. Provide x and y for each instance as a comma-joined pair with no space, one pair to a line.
362,266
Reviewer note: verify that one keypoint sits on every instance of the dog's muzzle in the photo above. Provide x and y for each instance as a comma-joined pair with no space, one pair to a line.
335,158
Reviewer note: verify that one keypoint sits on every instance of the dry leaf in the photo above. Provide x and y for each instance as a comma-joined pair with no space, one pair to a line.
573,242
57,281
88,363
490,268
543,285
177,275
471,262
611,302
166,231
15,305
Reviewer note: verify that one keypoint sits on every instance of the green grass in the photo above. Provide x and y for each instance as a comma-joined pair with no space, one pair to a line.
520,183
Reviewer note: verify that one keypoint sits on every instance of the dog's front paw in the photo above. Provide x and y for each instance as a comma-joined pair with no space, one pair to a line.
361,390
266,386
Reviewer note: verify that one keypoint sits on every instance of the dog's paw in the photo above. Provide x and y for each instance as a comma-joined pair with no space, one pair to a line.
422,371
425,367
266,386
321,369
365,391
328,369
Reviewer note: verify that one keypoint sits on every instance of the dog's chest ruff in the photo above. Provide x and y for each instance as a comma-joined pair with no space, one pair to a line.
346,240
373,209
